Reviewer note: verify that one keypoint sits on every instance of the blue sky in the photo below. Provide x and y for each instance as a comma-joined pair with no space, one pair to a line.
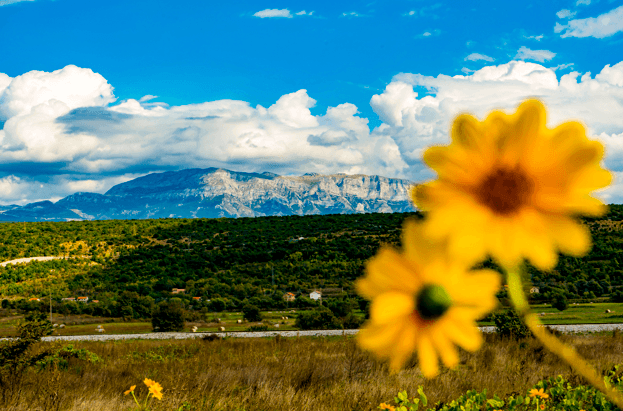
96,93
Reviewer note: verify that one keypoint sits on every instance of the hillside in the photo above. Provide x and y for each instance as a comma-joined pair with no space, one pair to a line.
238,259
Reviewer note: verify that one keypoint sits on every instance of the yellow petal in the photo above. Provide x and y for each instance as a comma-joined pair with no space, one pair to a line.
458,328
404,347
444,347
391,306
572,237
387,271
526,126
429,364
379,338
477,289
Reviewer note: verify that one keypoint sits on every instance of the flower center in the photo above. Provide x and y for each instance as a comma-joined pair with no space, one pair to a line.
505,190
432,302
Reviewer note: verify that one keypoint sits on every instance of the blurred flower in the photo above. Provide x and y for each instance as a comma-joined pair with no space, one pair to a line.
384,406
510,187
424,301
534,392
130,390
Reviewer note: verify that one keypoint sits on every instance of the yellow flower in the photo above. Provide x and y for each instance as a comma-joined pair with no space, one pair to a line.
384,406
424,301
149,382
130,390
156,391
508,186
542,406
534,392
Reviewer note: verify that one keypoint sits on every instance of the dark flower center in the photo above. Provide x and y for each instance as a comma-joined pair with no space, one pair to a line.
432,302
505,190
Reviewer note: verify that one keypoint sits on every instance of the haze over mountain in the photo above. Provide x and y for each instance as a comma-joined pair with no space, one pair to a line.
216,192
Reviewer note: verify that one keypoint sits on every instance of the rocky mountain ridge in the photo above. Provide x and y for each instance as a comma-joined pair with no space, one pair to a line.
214,193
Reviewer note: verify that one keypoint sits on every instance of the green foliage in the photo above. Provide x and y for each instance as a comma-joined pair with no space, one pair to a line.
508,324
320,318
62,356
560,302
251,313
257,328
562,396
168,316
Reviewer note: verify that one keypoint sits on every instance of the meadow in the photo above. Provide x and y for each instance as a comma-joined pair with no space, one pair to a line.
307,373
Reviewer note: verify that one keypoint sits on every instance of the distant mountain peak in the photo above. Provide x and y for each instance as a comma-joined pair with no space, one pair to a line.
218,192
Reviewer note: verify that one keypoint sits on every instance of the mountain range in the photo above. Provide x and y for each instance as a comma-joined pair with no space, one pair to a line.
216,192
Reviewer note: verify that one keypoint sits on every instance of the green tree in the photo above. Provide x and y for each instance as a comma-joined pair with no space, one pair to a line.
319,319
560,302
168,316
251,313
508,324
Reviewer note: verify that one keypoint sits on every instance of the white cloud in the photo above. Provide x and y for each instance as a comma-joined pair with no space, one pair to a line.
62,134
351,14
416,123
565,14
429,33
537,38
525,53
273,13
562,66
147,98
99,144
602,26
7,2
585,2
478,56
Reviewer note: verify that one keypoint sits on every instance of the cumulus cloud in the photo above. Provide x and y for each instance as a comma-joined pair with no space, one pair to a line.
417,122
525,53
599,27
62,130
83,140
273,13
303,13
478,56
351,14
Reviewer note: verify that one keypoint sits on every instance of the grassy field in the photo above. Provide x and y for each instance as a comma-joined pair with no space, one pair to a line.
84,325
307,373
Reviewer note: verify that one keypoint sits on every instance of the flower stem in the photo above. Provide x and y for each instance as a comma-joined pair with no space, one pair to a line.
567,353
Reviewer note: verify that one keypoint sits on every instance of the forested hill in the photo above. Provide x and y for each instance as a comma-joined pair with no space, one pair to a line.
242,258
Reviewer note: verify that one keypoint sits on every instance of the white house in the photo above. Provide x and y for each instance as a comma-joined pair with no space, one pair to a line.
315,295
534,290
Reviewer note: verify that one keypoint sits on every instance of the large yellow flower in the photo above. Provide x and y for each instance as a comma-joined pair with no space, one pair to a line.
510,187
424,301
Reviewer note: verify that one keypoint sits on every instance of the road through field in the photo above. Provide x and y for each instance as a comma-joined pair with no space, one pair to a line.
579,328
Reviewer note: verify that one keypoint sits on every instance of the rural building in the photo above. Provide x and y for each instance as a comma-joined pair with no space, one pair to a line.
534,290
68,299
289,297
315,295
178,291
95,301
83,299
196,298
33,299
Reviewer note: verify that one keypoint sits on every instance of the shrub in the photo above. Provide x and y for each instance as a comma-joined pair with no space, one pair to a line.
262,327
251,313
168,316
560,302
319,319
508,324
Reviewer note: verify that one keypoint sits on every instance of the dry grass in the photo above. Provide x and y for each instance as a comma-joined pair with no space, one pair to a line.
288,374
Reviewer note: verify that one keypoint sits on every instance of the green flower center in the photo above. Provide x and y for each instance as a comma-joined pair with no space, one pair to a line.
432,302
